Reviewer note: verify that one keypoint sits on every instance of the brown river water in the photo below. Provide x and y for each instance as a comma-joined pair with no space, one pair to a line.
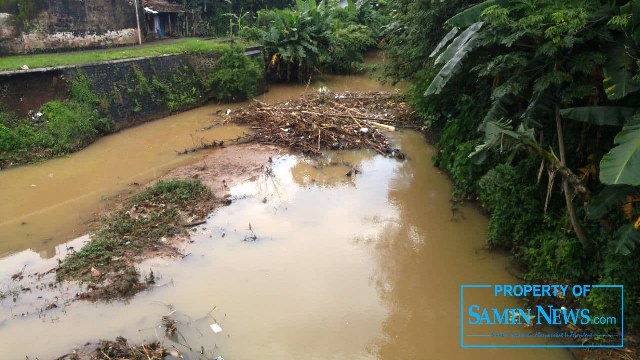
46,204
361,267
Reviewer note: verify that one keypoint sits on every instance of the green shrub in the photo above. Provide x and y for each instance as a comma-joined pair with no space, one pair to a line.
347,45
72,125
65,126
184,90
618,269
179,192
457,141
234,75
511,196
314,36
553,253
81,91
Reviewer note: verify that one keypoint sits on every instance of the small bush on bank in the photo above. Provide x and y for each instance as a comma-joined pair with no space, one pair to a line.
234,75
59,127
64,126
316,36
72,125
509,192
347,45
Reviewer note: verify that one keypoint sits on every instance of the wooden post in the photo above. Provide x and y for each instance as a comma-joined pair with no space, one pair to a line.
138,23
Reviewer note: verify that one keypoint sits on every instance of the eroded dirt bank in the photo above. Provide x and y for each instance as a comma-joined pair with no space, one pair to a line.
229,166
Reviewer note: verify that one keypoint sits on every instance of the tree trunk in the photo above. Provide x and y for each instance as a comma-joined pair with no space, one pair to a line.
568,192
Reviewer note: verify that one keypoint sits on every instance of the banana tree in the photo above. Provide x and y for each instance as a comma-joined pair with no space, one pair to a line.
620,167
535,53
526,46
294,39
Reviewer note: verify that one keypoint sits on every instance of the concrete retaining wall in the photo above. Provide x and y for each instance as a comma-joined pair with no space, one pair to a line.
127,88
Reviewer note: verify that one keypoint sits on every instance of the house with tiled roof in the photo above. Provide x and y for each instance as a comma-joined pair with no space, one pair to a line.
162,17
56,25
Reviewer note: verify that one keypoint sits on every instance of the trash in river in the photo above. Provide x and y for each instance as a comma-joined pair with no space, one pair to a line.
170,325
251,236
353,120
119,349
216,328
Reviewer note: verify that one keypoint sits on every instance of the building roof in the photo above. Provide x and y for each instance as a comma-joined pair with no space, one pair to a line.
163,6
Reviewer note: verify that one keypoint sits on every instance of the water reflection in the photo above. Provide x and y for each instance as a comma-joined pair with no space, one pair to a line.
423,258
366,268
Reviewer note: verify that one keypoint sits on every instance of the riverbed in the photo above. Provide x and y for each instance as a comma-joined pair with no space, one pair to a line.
49,203
366,266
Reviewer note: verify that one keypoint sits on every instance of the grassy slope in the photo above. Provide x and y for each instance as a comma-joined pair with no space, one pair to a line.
185,45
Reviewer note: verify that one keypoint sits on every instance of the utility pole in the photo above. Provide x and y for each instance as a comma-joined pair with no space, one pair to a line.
138,22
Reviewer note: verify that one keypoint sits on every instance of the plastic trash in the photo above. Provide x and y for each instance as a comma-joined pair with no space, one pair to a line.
216,328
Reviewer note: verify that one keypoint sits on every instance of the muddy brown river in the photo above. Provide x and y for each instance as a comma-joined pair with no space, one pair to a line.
360,267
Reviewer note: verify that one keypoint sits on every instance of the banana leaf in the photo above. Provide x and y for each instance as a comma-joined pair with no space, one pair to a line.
472,14
445,40
626,239
619,71
621,165
608,199
453,56
600,115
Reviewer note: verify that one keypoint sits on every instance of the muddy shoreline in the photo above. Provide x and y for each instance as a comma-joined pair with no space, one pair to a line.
228,166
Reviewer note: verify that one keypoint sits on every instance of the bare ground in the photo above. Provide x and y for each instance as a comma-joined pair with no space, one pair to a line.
225,167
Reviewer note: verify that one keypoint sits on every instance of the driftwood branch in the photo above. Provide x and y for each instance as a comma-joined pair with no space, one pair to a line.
340,121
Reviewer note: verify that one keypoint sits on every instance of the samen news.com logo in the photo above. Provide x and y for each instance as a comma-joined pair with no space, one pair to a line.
492,316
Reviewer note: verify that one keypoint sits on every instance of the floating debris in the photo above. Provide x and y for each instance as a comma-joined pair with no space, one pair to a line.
216,328
347,121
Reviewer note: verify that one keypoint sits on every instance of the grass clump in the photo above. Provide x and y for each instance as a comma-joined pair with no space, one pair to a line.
143,226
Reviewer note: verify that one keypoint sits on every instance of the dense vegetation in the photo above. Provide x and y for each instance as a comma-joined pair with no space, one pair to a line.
300,37
58,128
536,103
61,127
313,36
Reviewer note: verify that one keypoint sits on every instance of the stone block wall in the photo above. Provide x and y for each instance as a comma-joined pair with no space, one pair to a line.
131,90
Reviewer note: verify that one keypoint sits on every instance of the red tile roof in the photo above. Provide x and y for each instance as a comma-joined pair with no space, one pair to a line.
163,6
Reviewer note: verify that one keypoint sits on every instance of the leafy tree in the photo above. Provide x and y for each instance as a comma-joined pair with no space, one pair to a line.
554,83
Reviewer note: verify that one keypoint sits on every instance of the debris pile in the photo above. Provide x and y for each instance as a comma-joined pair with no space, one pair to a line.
119,349
335,121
